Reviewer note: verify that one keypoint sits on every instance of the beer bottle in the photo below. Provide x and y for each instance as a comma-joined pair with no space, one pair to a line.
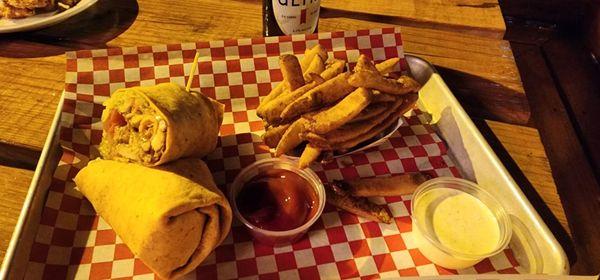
285,17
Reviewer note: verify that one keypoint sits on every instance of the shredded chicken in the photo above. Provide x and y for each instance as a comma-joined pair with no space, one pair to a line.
133,131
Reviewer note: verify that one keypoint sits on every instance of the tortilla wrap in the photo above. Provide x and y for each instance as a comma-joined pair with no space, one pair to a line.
171,217
158,124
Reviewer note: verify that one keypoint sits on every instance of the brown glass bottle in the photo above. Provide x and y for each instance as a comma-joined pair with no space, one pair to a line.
285,17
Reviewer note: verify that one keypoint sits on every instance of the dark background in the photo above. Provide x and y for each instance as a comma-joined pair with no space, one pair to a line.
556,46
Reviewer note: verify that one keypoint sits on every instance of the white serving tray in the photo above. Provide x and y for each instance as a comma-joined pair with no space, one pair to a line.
534,246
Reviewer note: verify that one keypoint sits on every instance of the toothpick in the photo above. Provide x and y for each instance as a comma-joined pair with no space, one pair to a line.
192,72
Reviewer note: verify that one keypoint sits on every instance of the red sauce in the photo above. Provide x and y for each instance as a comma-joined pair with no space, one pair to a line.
277,200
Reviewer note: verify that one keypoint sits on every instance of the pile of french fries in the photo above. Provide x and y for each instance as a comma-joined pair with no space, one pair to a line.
330,109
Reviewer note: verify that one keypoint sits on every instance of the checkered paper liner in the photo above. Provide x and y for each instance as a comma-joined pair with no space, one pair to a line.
72,241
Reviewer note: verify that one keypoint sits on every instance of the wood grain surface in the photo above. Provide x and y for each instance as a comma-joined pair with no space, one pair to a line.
524,146
480,70
14,183
575,176
470,16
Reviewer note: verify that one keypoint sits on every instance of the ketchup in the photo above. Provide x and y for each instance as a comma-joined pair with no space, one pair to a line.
277,200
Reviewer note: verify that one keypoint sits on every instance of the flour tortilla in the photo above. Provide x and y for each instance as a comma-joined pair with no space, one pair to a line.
171,217
192,124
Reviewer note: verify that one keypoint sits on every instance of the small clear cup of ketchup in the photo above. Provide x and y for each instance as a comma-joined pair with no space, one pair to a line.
277,201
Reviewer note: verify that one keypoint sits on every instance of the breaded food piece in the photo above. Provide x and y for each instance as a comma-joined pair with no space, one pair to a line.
309,155
390,120
305,63
273,135
309,56
340,113
316,67
409,82
364,64
385,186
333,68
326,93
354,130
359,206
386,67
274,93
370,111
271,112
291,71
292,137
374,80
380,97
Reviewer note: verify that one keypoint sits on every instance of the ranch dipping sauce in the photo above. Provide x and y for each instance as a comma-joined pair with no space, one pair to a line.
456,224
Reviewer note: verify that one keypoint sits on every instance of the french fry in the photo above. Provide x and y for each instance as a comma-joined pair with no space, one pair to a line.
310,54
309,155
340,113
291,71
374,80
379,97
385,186
353,130
359,206
291,138
370,112
272,111
275,92
334,68
386,67
409,82
317,66
317,140
364,64
380,127
317,50
273,135
326,93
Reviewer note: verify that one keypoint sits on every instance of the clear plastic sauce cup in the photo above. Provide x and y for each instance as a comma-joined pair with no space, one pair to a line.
267,167
456,223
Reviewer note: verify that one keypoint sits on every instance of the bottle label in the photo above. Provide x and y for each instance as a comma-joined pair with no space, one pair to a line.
296,16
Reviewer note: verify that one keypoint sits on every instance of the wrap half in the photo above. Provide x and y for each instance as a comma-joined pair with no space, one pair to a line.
157,124
171,217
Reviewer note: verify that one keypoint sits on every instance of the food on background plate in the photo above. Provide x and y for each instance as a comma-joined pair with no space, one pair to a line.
15,9
317,113
171,217
158,124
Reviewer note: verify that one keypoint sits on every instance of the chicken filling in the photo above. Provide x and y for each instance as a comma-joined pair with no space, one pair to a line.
133,131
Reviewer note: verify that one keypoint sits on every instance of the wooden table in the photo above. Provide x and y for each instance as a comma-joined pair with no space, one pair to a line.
459,37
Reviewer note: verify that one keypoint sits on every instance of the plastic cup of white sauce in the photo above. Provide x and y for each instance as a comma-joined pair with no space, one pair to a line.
457,224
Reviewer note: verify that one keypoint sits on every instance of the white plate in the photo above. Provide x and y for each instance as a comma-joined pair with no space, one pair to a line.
42,20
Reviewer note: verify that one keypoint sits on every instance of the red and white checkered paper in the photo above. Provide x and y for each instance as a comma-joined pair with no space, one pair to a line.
72,241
